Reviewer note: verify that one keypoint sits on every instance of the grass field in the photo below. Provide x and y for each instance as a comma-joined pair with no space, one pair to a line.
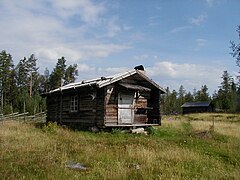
184,147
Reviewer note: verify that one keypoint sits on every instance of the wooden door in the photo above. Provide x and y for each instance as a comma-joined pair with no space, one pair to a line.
125,108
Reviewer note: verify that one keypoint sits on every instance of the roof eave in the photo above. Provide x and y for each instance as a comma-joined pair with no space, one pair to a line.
151,81
115,79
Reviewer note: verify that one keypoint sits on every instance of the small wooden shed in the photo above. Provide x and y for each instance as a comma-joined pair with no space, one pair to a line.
197,107
125,99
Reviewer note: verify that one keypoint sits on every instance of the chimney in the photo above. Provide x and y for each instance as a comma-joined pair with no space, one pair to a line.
140,68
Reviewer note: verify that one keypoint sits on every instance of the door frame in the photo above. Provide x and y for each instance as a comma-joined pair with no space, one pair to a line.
123,107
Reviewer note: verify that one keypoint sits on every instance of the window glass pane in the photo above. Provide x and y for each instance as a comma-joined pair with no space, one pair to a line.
74,104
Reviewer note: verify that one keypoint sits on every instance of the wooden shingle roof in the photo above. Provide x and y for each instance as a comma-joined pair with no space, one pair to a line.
104,81
196,104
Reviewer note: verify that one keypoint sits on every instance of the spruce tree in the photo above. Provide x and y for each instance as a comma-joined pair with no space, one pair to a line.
235,52
7,83
70,74
236,48
202,95
227,93
62,75
33,75
181,98
56,77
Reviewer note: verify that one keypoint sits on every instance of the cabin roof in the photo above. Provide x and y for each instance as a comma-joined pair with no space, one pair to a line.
104,81
196,104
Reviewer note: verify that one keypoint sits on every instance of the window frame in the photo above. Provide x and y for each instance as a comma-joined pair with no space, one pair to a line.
74,104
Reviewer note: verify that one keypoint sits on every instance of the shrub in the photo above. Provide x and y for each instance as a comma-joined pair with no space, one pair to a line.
116,130
150,130
50,127
187,128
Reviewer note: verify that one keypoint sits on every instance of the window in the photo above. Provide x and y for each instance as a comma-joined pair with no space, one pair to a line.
74,104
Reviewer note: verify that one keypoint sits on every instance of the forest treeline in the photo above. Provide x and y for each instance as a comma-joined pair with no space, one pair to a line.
225,99
21,85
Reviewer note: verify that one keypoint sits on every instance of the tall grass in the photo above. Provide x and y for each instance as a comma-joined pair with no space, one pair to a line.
171,152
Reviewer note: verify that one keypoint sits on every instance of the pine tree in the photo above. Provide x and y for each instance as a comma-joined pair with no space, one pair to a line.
236,48
181,98
235,52
202,95
70,74
194,94
56,77
62,75
22,73
7,81
189,97
22,84
44,82
227,94
166,102
28,82
33,75
173,102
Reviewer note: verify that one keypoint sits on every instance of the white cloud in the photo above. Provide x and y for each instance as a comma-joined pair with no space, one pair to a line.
175,70
153,20
210,2
126,27
141,57
87,72
201,42
115,70
178,29
85,68
169,74
46,29
57,52
113,28
189,75
89,12
165,73
145,57
102,50
137,36
198,20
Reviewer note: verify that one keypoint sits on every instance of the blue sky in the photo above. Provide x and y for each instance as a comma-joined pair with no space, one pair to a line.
178,41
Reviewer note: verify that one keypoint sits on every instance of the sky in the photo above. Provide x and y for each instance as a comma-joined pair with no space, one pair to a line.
179,42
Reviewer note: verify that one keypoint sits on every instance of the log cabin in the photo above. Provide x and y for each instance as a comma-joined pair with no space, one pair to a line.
128,99
197,107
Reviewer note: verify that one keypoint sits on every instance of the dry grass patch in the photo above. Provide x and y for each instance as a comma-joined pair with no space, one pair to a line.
213,116
30,152
222,127
226,124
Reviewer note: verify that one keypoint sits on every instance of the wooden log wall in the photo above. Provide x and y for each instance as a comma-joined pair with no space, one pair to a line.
53,108
86,113
140,102
100,109
154,114
58,106
111,105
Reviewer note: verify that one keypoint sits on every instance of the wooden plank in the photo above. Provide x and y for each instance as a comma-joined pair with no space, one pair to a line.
139,118
129,125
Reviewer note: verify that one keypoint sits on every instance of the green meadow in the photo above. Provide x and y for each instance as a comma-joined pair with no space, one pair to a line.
196,146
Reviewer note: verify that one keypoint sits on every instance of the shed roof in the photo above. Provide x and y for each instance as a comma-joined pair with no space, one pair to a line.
196,104
135,87
104,81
